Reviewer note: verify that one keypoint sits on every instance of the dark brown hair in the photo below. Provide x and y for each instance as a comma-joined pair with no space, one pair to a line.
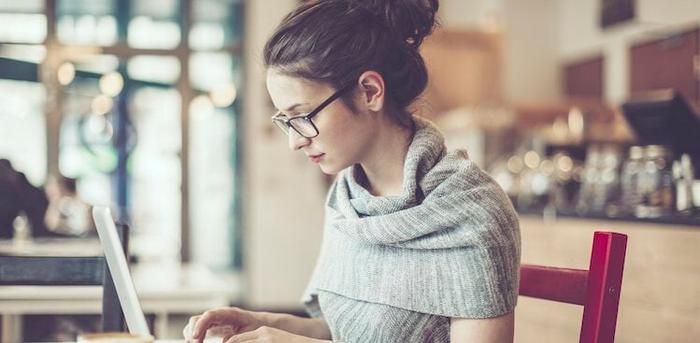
335,41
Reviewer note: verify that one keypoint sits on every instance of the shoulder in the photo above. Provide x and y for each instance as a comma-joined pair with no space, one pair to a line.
456,172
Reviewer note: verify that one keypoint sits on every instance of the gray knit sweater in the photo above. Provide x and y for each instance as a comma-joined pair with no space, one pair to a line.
395,269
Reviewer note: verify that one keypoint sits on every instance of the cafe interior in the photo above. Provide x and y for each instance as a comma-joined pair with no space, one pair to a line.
585,112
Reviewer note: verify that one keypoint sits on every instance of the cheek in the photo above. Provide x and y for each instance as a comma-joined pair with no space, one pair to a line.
343,139
348,148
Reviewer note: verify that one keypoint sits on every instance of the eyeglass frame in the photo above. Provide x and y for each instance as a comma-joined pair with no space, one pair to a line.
277,117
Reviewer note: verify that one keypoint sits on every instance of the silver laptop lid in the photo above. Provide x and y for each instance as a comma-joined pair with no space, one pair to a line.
118,267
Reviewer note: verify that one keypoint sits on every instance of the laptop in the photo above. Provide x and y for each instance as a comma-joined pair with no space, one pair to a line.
118,267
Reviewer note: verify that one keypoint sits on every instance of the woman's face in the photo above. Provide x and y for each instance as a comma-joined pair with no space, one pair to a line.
344,137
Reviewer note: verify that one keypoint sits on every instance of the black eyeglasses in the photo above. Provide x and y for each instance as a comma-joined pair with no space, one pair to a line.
302,123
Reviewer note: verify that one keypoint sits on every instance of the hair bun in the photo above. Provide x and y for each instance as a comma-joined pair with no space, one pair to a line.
410,20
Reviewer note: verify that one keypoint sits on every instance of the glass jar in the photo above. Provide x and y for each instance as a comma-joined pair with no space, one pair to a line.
600,189
656,183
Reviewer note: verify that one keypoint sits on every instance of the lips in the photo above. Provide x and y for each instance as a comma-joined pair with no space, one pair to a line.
316,158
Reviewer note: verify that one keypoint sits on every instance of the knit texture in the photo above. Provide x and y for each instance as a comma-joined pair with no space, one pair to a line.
355,321
449,245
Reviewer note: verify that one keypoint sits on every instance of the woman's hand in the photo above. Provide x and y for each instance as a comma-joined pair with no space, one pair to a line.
224,322
270,335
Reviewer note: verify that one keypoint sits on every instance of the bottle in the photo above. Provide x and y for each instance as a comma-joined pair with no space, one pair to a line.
21,228
610,180
588,200
684,176
629,180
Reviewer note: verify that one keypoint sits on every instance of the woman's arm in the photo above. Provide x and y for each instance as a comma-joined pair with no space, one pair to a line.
489,330
309,327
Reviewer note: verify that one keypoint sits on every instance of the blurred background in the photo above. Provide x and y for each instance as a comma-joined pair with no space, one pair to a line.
584,111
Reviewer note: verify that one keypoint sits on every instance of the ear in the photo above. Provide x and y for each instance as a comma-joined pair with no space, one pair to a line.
372,90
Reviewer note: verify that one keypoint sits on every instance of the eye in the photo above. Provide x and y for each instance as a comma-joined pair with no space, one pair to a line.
290,114
296,115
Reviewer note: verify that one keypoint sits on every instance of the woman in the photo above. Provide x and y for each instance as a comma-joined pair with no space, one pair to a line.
419,244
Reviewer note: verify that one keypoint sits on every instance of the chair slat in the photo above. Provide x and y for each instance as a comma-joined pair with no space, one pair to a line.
551,283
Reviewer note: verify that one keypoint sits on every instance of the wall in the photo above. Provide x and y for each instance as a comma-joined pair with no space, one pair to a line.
580,35
541,35
461,14
284,193
530,65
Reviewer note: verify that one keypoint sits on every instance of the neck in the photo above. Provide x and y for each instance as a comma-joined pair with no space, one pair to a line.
383,167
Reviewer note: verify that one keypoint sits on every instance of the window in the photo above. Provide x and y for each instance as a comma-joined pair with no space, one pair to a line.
112,88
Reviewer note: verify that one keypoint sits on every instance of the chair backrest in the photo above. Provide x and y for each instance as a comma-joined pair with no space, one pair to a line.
596,289
69,271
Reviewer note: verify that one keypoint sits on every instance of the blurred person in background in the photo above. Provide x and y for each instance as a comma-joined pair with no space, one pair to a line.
18,197
419,244
9,207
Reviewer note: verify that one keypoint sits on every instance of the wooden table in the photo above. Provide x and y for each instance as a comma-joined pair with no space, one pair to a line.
163,289
660,299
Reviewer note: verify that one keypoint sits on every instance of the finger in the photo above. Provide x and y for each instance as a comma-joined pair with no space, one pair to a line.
206,321
226,338
187,330
247,336
220,331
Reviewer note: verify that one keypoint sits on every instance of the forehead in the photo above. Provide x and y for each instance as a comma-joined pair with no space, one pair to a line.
287,90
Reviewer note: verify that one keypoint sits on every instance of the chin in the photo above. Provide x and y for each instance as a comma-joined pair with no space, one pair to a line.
329,169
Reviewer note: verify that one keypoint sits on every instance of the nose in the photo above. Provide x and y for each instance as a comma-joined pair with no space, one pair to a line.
297,141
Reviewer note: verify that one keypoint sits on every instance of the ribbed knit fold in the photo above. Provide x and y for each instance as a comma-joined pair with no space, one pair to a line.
449,245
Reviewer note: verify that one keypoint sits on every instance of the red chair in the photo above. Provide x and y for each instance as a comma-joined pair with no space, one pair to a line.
596,289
